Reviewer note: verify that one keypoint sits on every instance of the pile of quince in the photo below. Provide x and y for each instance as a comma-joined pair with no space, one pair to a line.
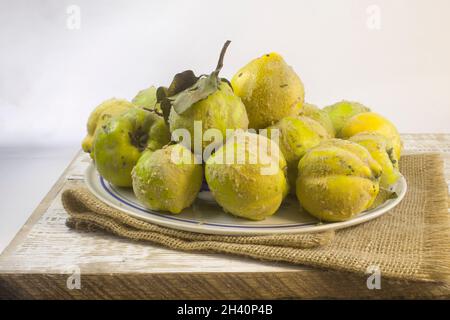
338,161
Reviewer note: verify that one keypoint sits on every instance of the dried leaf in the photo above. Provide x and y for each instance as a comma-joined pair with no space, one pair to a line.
383,195
161,93
182,81
165,105
200,90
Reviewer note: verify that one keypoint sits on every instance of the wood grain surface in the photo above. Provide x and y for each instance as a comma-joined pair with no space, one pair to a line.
45,254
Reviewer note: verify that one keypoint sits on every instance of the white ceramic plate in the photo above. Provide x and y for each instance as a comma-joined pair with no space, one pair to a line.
206,216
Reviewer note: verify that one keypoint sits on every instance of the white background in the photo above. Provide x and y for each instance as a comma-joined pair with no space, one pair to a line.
52,76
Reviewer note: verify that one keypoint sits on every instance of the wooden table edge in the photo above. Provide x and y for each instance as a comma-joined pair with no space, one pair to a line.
316,284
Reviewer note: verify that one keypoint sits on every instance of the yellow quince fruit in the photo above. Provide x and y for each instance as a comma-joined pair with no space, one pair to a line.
342,111
373,122
337,180
270,90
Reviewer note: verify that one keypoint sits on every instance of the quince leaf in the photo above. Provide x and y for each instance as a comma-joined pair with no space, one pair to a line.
186,88
182,81
204,87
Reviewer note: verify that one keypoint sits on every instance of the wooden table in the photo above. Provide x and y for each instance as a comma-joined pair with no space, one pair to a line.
46,256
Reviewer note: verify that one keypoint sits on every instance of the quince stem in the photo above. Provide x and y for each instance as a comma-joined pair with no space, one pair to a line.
221,57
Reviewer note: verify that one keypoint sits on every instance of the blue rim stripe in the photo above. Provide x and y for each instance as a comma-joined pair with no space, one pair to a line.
115,195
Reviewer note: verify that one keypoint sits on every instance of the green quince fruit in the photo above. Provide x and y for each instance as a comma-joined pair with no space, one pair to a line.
342,111
321,116
221,110
296,136
207,100
146,99
100,115
337,180
118,144
270,90
253,187
161,182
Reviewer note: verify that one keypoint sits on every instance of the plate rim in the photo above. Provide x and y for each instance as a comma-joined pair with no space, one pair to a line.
172,222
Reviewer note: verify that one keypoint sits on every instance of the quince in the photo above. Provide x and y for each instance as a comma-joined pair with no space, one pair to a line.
119,143
208,100
382,151
342,111
270,90
337,180
221,110
254,187
373,122
321,116
296,136
146,98
162,183
100,115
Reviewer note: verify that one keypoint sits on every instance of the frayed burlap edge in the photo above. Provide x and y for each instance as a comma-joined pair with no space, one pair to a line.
436,250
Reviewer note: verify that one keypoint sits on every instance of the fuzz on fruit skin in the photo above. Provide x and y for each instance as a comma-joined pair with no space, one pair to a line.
321,116
373,122
296,136
221,110
100,115
243,189
118,144
164,185
342,111
380,148
337,180
270,90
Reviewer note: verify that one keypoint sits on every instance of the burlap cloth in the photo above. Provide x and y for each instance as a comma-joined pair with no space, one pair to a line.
410,242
